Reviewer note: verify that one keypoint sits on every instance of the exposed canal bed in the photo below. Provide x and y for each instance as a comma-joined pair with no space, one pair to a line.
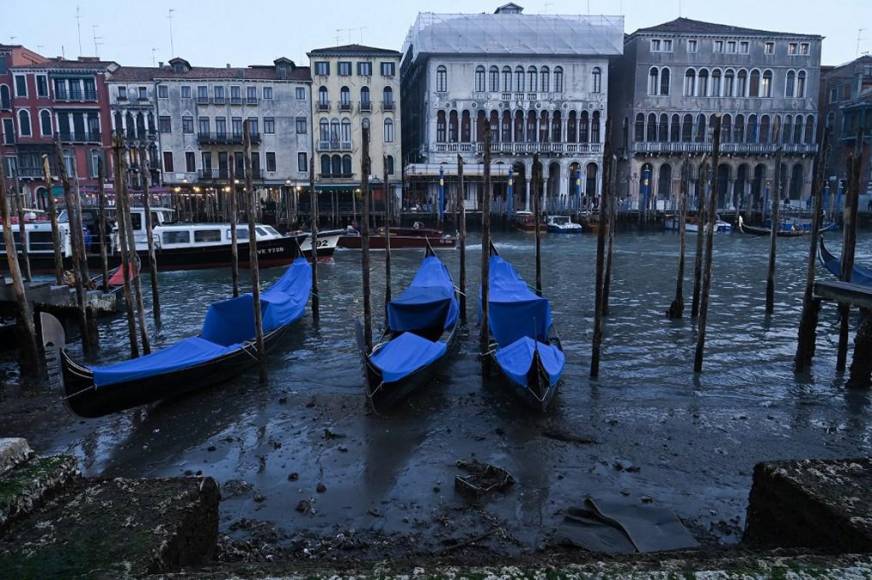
647,430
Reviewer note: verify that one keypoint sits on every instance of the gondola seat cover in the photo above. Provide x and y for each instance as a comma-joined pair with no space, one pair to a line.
406,354
515,311
516,359
228,324
428,302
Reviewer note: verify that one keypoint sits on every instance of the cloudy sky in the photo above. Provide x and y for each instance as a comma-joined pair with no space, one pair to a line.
246,32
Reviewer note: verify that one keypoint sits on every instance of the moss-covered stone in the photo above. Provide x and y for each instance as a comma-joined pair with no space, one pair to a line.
27,484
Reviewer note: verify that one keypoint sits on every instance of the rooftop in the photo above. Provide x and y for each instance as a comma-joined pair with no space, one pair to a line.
353,50
253,72
688,26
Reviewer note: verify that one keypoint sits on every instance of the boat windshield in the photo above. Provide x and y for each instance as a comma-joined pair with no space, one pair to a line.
560,220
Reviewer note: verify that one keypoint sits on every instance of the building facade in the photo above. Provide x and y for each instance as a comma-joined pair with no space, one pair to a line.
540,82
846,102
674,78
354,86
12,56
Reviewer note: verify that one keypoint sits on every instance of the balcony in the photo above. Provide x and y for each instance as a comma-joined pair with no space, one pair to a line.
336,175
388,106
733,148
251,100
225,138
235,100
547,149
365,106
323,105
224,174
344,106
80,136
334,145
202,100
30,172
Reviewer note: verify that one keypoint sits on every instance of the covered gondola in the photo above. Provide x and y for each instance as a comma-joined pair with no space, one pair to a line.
786,231
859,274
524,345
421,331
225,347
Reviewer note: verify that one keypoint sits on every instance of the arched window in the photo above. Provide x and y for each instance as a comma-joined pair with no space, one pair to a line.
729,83
726,129
119,122
687,129
703,83
809,128
653,80
754,86
764,129
531,126
675,129
572,127
346,131
545,79
151,128
519,127
665,78
800,84
323,98
465,129
639,133
651,133
543,127
506,127
494,79
336,165
334,132
519,79
452,127
597,75
590,182
664,181
663,133
739,129
45,123
532,79
716,83
346,166
797,130
131,125
595,127
584,128
752,129
766,85
440,127
689,83
441,79
507,79
364,98
790,85
479,79
558,79
787,130
390,161
5,101
24,123
742,84
324,130
325,165
140,125
700,128
495,126
796,179
345,98
388,98
556,126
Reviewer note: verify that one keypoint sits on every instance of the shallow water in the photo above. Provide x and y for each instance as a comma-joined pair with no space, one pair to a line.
694,439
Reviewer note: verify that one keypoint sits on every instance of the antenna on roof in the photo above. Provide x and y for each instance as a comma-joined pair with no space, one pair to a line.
79,28
172,46
859,39
97,44
153,57
679,8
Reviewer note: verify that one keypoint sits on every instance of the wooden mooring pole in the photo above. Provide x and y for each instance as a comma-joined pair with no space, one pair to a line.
252,251
234,235
101,222
313,210
133,258
537,228
30,359
700,220
610,244
387,228
22,231
849,219
55,230
711,217
776,223
602,232
484,129
364,240
676,309
149,229
461,212
805,344
122,245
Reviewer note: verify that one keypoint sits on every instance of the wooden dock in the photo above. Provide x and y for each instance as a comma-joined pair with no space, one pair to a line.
846,293
58,299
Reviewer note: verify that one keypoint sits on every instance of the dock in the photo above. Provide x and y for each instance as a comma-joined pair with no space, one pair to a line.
47,296
847,293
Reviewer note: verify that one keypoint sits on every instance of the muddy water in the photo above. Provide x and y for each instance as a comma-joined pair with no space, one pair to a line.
685,442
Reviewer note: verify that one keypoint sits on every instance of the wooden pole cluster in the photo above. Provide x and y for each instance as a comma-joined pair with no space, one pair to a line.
77,242
461,211
776,223
149,229
22,232
30,360
101,222
537,192
602,233
55,231
849,242
676,309
387,227
133,257
252,251
122,245
709,246
364,240
234,238
805,345
484,130
700,220
316,301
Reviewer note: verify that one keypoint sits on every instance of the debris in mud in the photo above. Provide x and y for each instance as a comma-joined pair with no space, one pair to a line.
294,476
235,487
566,437
329,434
304,506
321,488
483,478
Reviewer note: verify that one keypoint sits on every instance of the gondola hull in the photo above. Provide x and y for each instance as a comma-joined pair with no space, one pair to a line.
539,392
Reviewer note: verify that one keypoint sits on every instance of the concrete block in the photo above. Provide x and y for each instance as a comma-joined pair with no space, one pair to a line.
13,450
28,484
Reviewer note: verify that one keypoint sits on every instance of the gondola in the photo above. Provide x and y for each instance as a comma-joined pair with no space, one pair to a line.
859,275
224,348
524,345
421,331
794,232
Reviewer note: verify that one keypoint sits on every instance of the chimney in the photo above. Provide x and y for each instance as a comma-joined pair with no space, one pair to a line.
160,64
228,65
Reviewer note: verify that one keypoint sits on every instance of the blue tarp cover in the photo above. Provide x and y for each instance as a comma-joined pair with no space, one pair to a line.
859,275
406,354
428,301
228,324
515,360
515,310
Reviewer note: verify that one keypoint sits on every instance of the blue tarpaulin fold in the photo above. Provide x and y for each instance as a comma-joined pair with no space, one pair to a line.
228,324
515,311
516,359
406,354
